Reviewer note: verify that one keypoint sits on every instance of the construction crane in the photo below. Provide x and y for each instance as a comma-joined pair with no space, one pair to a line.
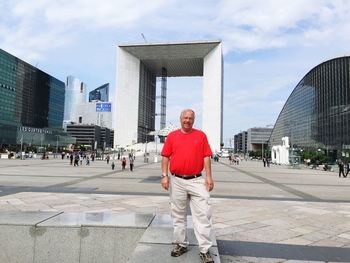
143,36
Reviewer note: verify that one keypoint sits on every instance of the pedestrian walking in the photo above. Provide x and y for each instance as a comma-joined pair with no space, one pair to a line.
71,157
113,165
347,168
76,160
187,151
131,163
341,167
123,163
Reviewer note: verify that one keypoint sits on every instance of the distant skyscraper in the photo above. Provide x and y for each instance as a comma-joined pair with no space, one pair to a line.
75,95
100,94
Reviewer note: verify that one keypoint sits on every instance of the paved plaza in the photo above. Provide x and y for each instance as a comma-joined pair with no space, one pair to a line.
274,214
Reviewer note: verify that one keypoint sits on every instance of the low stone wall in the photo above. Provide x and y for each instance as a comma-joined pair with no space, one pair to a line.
70,237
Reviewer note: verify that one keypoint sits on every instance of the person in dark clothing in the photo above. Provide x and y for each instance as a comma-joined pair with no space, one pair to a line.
131,163
123,163
341,168
347,168
71,157
76,160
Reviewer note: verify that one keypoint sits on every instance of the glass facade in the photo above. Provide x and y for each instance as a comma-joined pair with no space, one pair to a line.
257,138
317,113
100,94
74,96
31,103
147,104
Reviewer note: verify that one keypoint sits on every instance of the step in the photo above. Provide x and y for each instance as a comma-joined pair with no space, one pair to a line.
70,237
155,244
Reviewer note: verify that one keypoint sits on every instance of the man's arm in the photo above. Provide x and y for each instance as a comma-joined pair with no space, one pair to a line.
208,177
165,179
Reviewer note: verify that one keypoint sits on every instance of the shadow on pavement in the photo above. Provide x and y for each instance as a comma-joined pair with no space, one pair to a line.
283,251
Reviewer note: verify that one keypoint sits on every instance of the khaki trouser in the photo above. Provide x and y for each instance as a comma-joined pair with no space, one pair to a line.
192,191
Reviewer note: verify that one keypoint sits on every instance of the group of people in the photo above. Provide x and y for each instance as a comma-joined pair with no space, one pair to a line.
234,159
266,161
123,162
78,158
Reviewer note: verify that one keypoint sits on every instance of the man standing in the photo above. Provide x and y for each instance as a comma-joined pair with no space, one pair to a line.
188,152
341,168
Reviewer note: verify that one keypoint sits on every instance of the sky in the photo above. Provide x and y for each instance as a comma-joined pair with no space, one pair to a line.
268,46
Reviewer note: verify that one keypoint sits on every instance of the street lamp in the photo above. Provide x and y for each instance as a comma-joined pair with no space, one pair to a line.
156,139
56,145
21,146
145,158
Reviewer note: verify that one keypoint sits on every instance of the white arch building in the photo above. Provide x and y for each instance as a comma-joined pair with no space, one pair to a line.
138,65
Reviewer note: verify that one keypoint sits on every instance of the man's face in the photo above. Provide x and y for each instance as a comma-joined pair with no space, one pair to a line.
187,120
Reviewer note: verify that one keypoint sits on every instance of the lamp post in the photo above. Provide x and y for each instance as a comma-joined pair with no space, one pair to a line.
156,139
21,146
145,160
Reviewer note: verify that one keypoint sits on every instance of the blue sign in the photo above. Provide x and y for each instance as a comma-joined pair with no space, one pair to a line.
103,107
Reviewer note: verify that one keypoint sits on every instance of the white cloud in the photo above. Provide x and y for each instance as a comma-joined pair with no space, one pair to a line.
253,25
32,28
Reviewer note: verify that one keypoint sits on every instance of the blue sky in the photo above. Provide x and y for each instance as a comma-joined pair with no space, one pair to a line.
268,45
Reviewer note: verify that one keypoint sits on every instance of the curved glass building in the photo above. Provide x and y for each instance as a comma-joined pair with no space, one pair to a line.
317,113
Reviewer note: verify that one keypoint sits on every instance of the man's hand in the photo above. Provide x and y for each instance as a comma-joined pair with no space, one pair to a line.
209,183
165,182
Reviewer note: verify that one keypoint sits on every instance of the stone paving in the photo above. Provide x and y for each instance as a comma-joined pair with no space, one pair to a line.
274,214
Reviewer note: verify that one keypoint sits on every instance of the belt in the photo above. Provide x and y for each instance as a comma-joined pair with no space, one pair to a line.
187,177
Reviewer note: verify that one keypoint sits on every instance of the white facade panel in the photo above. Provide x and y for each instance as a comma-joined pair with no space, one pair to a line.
126,99
212,97
89,115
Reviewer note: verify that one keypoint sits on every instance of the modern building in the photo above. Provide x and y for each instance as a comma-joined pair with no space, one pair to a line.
78,111
254,139
74,96
317,113
100,94
138,66
240,142
31,105
257,138
97,113
91,135
107,137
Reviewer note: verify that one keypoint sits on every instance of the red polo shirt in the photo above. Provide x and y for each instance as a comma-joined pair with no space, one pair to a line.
186,151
